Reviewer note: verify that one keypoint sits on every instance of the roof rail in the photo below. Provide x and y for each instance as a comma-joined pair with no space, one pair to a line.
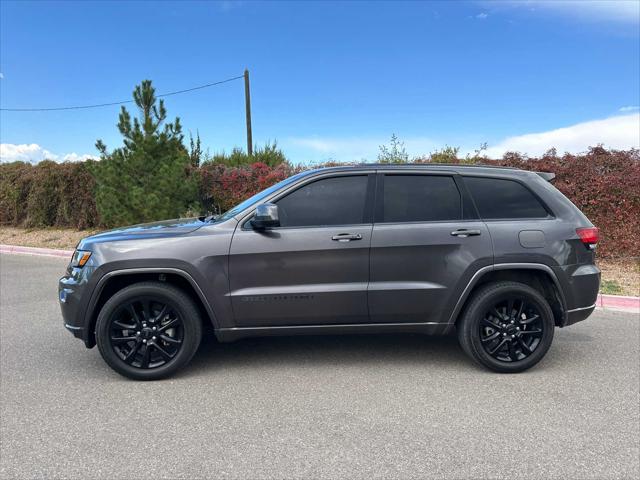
434,164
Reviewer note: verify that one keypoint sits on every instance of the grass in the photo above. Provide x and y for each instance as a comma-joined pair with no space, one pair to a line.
610,287
619,276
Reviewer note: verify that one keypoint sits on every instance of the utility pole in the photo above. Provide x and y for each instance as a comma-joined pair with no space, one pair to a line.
247,101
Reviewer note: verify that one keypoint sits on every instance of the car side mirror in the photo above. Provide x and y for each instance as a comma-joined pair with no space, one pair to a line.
266,217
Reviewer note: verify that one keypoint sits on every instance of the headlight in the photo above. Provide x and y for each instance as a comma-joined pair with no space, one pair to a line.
80,257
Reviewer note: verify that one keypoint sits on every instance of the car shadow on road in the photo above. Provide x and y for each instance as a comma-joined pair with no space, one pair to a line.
330,350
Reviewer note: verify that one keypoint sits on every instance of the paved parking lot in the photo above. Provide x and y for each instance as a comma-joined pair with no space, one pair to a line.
314,407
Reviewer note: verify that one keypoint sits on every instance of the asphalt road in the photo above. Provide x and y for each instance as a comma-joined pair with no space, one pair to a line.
314,407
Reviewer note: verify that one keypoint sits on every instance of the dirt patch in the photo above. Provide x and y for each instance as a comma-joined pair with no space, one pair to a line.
620,276
48,238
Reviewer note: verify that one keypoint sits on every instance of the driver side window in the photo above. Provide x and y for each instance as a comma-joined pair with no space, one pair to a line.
329,201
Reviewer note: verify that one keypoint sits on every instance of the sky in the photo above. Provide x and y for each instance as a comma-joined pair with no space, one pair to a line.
329,80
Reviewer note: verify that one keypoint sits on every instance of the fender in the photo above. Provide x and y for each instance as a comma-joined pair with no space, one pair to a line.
131,271
506,266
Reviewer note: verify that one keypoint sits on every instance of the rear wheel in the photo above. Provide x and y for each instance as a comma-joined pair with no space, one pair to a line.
148,331
507,327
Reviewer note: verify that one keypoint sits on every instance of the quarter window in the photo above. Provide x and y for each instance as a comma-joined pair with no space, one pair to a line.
331,201
420,198
504,199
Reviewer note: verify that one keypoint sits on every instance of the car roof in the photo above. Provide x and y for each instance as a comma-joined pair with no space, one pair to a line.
434,167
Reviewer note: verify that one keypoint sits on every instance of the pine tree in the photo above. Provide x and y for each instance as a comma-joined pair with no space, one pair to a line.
150,176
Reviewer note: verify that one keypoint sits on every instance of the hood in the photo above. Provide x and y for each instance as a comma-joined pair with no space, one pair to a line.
164,228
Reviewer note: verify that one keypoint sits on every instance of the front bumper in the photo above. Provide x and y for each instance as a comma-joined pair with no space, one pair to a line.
77,332
71,289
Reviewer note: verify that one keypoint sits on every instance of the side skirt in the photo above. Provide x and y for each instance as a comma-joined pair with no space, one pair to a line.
236,333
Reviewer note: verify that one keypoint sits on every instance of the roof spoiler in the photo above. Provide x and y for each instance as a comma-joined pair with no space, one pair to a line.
548,176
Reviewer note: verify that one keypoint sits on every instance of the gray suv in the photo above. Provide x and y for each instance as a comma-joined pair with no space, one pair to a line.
498,255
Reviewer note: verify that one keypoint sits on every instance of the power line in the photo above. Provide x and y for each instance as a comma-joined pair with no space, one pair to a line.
79,107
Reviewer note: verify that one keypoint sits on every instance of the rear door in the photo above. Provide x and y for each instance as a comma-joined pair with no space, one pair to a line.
426,244
314,268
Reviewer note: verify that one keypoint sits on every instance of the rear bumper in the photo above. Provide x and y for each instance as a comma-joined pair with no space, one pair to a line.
578,314
580,285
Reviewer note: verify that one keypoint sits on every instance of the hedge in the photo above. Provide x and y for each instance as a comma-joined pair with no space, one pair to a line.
604,184
48,194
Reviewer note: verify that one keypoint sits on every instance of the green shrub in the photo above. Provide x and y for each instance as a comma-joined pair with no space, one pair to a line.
269,155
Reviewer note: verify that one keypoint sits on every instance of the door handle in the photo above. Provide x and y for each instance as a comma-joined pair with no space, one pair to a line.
346,237
463,232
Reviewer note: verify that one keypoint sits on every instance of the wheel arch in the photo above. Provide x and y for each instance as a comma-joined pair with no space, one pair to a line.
537,275
116,280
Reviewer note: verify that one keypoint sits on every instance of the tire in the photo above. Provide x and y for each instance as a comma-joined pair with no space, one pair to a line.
489,322
162,334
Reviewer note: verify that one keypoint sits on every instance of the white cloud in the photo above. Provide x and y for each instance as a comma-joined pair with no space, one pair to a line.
482,16
620,132
629,108
74,157
350,149
34,153
623,11
1,75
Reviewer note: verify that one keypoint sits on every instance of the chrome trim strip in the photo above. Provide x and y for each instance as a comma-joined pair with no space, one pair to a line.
339,325
581,308
300,289
71,327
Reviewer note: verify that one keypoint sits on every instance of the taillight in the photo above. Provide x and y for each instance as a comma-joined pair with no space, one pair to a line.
589,236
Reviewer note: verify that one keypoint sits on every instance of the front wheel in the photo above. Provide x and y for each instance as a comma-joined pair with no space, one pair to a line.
507,327
148,331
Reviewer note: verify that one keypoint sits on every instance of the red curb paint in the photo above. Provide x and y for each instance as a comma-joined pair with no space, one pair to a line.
47,252
619,301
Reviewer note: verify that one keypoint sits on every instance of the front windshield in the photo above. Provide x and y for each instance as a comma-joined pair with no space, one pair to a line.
257,197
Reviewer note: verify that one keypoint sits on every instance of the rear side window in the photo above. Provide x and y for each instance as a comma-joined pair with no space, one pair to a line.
331,201
504,199
420,198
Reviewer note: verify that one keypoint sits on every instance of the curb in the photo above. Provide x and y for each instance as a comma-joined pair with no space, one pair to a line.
613,302
619,302
47,252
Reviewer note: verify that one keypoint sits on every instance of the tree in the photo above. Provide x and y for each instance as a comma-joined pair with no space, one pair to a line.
394,153
150,177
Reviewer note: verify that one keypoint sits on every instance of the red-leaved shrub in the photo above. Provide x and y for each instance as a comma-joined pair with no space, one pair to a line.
604,184
222,187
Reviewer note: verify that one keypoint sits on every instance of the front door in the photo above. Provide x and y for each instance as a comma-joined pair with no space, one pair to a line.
426,243
314,267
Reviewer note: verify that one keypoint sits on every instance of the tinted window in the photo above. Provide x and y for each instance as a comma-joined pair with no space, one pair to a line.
498,198
420,198
332,201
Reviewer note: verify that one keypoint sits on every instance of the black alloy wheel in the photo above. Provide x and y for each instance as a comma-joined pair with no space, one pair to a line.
511,330
146,332
149,330
506,326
